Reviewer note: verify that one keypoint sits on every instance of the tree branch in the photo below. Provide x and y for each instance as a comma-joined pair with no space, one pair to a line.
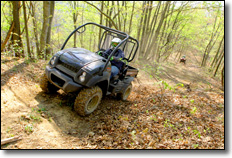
103,14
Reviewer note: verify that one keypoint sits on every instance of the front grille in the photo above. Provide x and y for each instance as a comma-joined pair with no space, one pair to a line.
69,67
57,80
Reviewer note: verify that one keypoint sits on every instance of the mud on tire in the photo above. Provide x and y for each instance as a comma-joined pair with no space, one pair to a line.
87,100
46,86
123,96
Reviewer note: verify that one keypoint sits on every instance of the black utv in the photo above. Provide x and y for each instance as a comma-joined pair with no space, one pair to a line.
88,74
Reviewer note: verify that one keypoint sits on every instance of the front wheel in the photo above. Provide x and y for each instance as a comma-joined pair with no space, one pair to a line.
124,95
87,100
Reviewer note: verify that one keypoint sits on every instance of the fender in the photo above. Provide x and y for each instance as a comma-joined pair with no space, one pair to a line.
122,85
126,82
98,78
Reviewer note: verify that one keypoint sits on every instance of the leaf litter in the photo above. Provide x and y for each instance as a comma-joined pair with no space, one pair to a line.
193,120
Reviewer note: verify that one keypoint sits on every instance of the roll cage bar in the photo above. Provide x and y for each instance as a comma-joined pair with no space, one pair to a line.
120,33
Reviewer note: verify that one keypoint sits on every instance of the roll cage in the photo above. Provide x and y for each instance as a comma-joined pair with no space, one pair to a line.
109,32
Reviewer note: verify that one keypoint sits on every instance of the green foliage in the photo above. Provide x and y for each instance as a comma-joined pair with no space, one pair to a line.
154,118
39,110
195,146
11,135
197,133
166,85
193,111
35,118
29,128
8,129
192,100
168,124
180,84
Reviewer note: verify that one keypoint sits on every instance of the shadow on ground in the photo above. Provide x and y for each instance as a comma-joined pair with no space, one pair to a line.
59,107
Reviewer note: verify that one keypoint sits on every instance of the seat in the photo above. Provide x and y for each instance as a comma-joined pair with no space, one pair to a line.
122,73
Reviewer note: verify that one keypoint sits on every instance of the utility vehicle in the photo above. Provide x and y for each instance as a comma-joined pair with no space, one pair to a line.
88,74
183,59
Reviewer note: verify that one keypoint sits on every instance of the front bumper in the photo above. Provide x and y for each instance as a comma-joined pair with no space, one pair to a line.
61,80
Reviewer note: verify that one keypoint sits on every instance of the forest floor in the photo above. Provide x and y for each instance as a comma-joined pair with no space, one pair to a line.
174,118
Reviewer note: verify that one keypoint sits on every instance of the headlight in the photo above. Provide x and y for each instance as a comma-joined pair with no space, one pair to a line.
53,60
82,77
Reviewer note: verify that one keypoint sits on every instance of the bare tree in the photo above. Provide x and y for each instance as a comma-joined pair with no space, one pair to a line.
3,45
16,36
33,15
48,13
43,37
48,40
26,27
154,47
110,19
74,5
133,8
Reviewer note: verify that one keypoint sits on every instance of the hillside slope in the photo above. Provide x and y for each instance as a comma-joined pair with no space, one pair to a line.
173,119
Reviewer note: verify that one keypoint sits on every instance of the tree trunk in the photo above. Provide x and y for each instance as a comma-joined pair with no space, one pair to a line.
133,7
27,37
125,16
119,21
222,52
110,13
43,37
153,24
210,45
99,38
148,30
75,15
82,22
32,12
139,30
111,20
16,37
155,37
48,40
3,45
141,49
107,12
216,56
222,76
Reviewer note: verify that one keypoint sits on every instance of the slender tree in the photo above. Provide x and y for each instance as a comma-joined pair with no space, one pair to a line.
157,32
3,44
219,62
130,24
16,35
43,37
35,28
102,9
48,40
26,27
75,5
217,53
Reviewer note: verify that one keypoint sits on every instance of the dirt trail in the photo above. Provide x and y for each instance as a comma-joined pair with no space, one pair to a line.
49,122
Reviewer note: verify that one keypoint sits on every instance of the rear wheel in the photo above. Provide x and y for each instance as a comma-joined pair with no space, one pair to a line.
87,100
46,86
125,94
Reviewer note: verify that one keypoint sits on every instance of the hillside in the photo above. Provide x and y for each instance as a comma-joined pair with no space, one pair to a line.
172,118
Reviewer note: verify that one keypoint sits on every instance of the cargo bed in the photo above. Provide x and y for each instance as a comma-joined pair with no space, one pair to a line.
131,71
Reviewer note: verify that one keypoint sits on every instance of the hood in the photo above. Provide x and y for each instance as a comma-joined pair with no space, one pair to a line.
78,57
